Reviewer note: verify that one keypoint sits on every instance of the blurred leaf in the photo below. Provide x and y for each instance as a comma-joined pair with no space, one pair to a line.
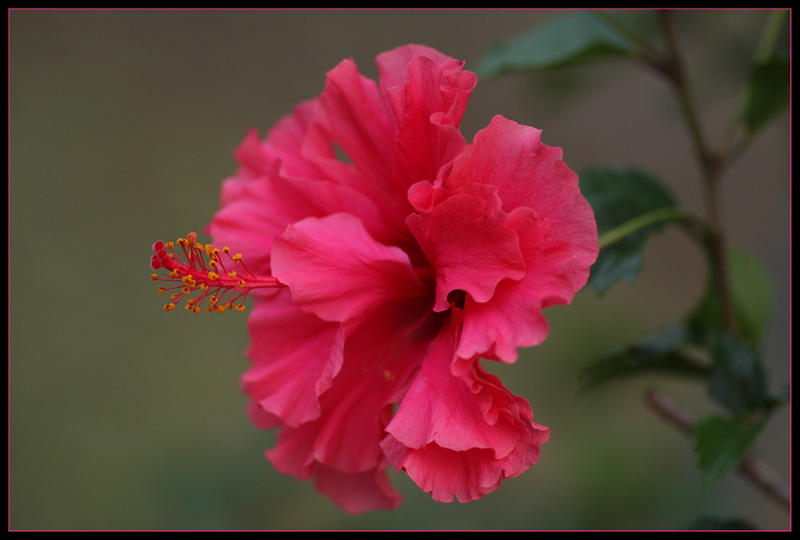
721,443
618,195
556,42
751,294
660,352
737,379
716,524
767,93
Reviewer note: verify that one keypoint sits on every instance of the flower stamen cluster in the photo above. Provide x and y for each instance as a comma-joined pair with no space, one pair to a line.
222,285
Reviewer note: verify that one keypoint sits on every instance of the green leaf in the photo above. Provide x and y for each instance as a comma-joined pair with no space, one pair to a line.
556,42
737,380
751,296
767,93
618,195
721,443
660,352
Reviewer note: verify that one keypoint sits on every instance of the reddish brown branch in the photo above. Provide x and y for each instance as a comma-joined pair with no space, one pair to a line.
751,467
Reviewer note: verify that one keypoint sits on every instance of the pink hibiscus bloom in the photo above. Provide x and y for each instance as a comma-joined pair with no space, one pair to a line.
381,279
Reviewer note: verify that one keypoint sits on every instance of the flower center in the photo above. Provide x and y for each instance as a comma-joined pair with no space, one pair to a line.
222,282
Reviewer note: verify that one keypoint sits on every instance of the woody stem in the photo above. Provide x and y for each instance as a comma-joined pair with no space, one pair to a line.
751,467
711,164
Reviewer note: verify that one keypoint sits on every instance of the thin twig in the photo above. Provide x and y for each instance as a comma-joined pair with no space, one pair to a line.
711,165
751,467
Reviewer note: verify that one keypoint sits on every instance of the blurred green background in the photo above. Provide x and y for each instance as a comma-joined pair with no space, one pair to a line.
123,125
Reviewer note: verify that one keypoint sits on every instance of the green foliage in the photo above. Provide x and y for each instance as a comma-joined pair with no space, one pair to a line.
767,92
618,195
662,352
751,296
557,42
737,379
721,443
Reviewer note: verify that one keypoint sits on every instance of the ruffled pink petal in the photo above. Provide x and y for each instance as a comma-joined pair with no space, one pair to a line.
261,418
347,434
262,208
468,246
285,143
283,338
357,493
336,270
460,436
529,174
555,224
392,64
355,116
382,355
293,454
244,222
513,318
428,107
289,141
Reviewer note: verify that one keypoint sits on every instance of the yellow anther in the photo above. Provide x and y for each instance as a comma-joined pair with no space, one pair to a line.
187,290
212,264
189,281
181,241
240,307
174,296
232,274
190,301
229,305
220,309
203,286
154,277
241,283
213,299
199,246
213,276
169,245
237,257
169,307
161,290
174,273
196,309
215,252
210,308
209,250
226,249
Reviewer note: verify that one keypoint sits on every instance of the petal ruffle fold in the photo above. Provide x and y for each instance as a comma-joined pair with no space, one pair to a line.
336,270
554,223
461,435
468,246
284,337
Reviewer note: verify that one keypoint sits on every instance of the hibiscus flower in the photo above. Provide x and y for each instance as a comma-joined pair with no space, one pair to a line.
383,276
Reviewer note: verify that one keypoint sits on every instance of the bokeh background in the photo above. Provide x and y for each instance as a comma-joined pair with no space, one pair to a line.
122,127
